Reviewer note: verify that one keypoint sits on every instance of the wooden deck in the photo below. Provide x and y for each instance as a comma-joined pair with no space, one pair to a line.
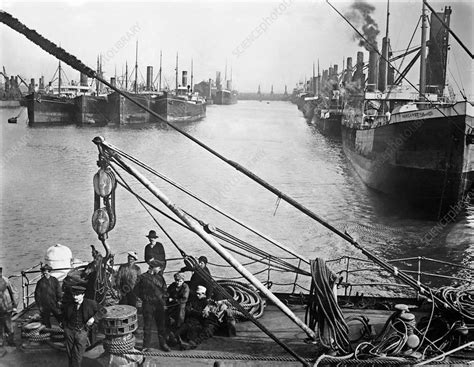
250,347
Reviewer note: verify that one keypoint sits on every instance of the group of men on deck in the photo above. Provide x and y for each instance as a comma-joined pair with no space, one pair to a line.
185,313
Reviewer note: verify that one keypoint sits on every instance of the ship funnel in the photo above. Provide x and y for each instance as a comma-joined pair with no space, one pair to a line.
348,71
383,64
358,75
229,85
83,80
218,79
31,87
372,78
41,84
149,78
113,81
184,78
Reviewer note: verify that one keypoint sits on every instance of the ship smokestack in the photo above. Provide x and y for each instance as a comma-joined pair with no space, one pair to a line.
372,77
83,81
31,87
358,77
41,84
218,80
149,78
348,73
184,78
113,81
229,85
383,65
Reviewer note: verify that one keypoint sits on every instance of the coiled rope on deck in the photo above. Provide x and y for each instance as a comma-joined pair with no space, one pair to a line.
247,296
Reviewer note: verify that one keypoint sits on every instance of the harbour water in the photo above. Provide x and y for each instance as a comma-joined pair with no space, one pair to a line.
47,193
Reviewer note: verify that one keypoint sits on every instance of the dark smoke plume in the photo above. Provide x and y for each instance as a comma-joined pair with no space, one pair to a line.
360,15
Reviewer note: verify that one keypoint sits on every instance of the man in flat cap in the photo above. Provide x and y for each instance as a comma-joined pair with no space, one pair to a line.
178,293
48,296
155,250
79,316
151,289
127,276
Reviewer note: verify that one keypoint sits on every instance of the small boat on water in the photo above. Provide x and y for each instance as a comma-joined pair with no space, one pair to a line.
416,324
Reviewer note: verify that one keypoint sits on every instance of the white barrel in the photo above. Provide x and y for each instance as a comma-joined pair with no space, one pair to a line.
58,256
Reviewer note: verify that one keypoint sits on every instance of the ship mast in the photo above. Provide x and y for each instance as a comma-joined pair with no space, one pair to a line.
161,59
424,27
126,75
136,68
385,49
176,73
59,79
192,76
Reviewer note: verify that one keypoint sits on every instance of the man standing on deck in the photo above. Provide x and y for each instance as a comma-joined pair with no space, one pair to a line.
7,306
151,289
78,318
178,293
155,250
127,276
48,295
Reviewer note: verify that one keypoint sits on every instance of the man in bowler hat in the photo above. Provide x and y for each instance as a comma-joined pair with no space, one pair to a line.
48,296
155,250
79,316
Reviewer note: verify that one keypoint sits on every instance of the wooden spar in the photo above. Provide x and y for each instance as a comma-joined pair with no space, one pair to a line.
220,211
196,228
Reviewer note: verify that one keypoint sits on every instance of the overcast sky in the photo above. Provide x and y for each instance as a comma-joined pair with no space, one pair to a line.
267,43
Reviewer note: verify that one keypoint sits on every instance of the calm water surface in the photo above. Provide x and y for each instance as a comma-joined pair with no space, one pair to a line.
47,193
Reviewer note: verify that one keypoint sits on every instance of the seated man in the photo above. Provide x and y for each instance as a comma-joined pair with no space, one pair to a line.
203,317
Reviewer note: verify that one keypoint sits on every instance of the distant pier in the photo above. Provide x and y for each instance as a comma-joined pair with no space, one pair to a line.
263,96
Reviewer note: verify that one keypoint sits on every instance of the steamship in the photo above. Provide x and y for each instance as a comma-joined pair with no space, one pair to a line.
54,104
414,145
225,96
180,105
327,114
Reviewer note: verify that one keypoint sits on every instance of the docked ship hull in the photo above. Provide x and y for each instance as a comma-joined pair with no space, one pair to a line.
122,111
91,110
225,97
423,156
328,123
178,110
47,109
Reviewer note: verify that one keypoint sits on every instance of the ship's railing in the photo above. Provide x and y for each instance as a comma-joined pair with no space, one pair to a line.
352,270
354,274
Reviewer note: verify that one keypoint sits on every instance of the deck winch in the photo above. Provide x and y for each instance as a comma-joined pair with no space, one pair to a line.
118,323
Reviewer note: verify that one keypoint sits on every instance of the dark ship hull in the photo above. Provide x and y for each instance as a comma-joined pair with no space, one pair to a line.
308,107
225,97
172,109
328,122
424,156
49,109
122,111
91,110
